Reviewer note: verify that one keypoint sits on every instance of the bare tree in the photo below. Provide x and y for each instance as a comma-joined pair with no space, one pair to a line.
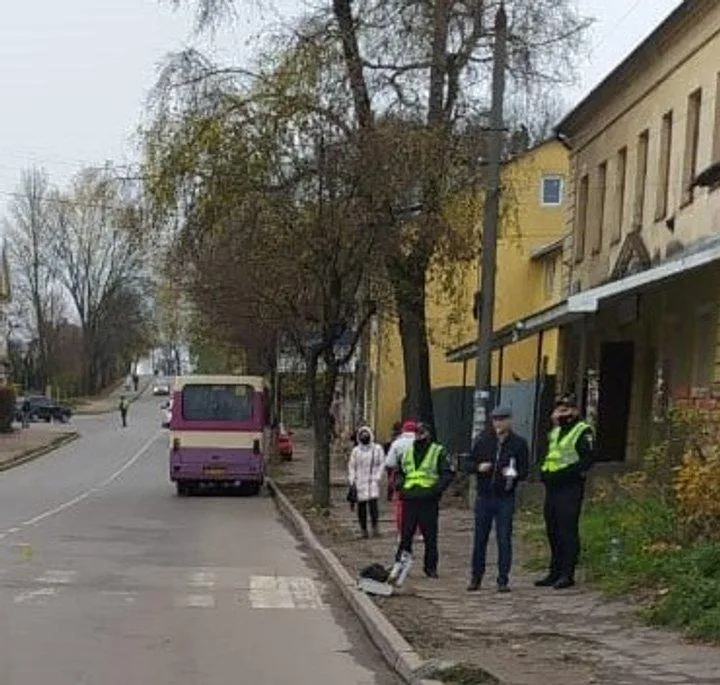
30,239
425,63
99,260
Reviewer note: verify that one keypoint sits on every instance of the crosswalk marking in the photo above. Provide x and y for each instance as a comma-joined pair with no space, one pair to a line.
202,579
53,577
196,601
202,589
37,596
278,592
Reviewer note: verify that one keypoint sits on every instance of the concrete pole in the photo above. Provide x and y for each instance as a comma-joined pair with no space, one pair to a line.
481,403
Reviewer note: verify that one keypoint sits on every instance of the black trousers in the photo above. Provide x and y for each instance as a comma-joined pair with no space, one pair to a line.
123,418
362,512
421,513
563,504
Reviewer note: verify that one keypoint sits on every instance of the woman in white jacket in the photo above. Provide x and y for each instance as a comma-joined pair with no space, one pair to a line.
365,469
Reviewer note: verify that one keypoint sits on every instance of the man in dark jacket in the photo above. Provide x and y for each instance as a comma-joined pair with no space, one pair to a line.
424,473
501,461
564,470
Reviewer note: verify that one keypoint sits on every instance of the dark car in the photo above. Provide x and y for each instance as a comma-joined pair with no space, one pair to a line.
46,409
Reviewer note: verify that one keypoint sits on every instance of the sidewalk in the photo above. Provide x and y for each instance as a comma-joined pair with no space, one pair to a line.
530,637
24,444
109,403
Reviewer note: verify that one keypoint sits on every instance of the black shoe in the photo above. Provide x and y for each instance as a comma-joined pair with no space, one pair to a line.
474,585
564,583
431,574
364,534
503,588
376,532
547,581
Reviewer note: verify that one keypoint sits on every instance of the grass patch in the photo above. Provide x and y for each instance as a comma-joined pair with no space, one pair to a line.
678,585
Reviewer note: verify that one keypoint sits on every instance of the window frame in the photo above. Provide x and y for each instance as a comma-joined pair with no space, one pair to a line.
561,193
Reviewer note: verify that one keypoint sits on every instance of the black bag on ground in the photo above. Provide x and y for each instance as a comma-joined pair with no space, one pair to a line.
375,572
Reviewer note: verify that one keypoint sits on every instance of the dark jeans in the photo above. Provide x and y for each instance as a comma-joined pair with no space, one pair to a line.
362,512
563,504
499,509
123,417
421,513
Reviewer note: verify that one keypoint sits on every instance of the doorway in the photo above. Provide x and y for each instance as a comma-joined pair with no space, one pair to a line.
616,380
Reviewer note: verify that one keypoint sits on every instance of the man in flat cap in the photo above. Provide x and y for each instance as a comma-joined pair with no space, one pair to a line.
501,462
564,470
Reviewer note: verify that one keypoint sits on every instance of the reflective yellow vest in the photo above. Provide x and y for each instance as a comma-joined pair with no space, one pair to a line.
425,475
561,451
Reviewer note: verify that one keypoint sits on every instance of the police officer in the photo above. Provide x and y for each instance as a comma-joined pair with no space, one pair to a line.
424,473
564,470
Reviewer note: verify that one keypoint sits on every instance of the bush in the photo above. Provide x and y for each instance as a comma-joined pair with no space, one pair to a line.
698,494
7,409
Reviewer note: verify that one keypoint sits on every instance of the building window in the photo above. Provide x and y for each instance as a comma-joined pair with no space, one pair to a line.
663,184
620,176
551,191
641,179
581,222
550,274
692,138
601,200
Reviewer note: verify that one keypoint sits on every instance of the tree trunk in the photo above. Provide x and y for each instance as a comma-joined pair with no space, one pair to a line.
410,301
320,393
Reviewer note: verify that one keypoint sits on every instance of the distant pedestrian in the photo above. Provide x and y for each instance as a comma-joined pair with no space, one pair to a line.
570,455
399,446
424,473
501,462
136,381
123,410
25,412
365,469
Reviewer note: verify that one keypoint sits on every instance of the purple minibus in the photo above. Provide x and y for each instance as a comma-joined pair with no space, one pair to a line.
218,432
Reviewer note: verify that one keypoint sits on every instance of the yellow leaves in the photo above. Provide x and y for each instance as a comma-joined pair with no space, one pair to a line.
697,488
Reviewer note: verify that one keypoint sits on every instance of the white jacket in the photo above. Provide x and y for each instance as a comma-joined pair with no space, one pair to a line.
400,445
365,468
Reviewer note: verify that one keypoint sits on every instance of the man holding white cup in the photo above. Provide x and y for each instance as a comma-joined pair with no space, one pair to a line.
501,461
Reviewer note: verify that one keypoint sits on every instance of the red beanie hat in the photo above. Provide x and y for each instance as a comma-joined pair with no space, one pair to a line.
409,426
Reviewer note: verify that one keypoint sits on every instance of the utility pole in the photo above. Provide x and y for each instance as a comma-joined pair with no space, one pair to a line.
490,229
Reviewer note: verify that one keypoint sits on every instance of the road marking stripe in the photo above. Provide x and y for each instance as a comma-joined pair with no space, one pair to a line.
37,596
196,601
127,597
84,495
202,579
53,577
278,592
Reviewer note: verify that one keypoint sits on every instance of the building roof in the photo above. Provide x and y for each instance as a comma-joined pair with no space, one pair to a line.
644,53
549,248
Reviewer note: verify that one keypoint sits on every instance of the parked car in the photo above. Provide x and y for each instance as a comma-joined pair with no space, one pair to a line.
44,409
161,388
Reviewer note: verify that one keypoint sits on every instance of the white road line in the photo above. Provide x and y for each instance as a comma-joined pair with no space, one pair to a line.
126,597
91,491
13,530
38,596
202,579
278,592
53,577
196,601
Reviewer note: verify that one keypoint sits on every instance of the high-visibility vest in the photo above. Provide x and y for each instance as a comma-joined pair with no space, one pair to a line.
562,452
426,474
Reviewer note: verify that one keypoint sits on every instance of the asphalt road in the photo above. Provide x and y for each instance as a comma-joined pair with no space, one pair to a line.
107,578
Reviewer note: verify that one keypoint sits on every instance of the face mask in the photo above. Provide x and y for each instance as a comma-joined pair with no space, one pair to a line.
565,420
365,439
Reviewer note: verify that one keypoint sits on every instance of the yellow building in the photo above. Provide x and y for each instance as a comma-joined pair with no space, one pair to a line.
642,277
528,279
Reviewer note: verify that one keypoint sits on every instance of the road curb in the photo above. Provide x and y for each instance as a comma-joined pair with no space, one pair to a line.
33,454
396,650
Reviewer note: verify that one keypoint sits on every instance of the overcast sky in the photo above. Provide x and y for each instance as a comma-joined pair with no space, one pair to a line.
74,74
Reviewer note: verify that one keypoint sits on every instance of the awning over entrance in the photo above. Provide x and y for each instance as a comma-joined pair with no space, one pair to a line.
588,302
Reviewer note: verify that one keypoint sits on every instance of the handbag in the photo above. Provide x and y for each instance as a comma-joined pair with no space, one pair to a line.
352,496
